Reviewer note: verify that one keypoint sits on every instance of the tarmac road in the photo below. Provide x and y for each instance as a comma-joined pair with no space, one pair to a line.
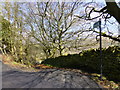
47,78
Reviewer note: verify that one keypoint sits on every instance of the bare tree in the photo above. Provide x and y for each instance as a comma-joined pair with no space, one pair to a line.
16,35
53,25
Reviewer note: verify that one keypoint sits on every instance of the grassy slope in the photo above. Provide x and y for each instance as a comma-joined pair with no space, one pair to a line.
8,60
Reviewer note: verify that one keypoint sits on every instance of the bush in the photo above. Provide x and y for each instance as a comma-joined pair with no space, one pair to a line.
89,61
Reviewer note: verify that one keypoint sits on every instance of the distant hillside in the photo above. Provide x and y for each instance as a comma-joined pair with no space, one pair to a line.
90,43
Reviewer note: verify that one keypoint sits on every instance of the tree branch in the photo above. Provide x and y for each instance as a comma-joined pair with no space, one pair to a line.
110,37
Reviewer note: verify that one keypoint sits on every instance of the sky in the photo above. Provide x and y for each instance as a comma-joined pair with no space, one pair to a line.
53,0
113,27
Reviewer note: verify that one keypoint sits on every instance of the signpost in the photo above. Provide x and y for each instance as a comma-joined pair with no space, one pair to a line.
98,25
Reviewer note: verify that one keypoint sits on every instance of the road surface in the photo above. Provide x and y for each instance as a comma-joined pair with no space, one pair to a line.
46,78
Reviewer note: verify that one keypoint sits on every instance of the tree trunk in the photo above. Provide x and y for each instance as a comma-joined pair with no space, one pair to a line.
113,10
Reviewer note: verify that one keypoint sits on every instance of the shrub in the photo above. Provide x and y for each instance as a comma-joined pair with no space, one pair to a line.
89,61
